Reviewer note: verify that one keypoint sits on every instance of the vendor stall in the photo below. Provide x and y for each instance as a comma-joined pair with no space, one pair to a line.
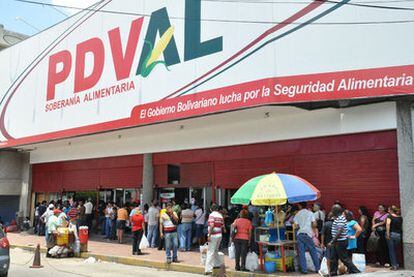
272,191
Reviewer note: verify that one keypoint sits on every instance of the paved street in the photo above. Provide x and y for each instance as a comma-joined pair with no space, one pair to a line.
21,260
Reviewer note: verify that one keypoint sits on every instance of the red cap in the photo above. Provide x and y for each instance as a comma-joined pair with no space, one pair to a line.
56,211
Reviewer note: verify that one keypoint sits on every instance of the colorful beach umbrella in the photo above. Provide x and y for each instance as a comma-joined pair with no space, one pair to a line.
275,189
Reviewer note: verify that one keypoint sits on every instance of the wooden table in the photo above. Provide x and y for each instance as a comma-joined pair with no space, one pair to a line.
279,244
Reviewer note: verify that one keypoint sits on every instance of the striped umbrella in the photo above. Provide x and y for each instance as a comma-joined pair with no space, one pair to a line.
275,189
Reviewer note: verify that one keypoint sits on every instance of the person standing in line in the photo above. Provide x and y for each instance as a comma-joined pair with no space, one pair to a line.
168,232
353,232
82,214
365,222
214,236
89,214
45,219
52,225
161,244
187,216
243,228
305,222
200,218
41,224
36,218
146,208
339,243
378,226
114,216
153,219
108,224
326,238
319,215
121,223
394,234
138,230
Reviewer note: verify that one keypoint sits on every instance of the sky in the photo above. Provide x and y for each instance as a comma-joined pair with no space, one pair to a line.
38,16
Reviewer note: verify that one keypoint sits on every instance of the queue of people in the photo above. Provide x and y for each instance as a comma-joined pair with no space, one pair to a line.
175,228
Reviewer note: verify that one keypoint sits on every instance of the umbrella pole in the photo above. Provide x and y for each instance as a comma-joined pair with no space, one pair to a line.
277,223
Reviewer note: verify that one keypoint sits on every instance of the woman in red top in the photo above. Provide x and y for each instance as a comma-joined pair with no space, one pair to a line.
138,227
243,228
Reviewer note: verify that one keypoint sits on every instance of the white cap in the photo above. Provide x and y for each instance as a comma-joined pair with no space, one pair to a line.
51,206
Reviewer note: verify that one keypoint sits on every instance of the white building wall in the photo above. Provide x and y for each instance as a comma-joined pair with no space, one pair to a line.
236,128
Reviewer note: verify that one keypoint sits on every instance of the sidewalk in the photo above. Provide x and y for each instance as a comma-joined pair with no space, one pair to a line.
121,253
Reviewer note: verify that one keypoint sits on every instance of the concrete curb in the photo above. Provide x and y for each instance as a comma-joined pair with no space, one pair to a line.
151,264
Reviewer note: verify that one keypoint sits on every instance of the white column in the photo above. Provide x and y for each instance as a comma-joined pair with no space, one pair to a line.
147,179
26,188
406,176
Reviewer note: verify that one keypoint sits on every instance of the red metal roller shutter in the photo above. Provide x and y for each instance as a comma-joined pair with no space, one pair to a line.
234,173
127,177
355,178
196,174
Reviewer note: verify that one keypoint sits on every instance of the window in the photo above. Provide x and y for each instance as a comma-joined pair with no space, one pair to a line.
173,174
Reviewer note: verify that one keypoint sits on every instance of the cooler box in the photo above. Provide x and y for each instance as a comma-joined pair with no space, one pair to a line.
83,234
62,237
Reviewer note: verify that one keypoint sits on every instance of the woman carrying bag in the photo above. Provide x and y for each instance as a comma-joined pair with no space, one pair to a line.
242,230
378,226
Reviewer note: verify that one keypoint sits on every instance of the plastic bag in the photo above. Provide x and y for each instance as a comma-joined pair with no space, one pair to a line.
203,249
76,247
232,251
144,243
324,267
219,259
269,218
203,258
359,261
252,262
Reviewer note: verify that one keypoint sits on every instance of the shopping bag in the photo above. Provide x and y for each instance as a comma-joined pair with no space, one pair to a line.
219,259
324,267
203,258
372,244
252,262
359,261
204,248
232,251
144,243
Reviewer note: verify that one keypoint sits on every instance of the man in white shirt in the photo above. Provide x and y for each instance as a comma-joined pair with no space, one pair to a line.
153,219
89,213
305,221
45,219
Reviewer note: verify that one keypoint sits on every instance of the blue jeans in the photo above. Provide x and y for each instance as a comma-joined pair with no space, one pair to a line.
305,242
185,237
152,234
393,242
171,243
108,227
102,223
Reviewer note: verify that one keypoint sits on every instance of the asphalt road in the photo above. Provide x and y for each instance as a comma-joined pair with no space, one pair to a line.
21,260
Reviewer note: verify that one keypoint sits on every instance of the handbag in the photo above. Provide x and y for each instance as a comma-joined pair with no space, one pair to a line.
372,244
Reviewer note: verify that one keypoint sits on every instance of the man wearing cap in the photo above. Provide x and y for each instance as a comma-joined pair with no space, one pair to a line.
45,219
52,225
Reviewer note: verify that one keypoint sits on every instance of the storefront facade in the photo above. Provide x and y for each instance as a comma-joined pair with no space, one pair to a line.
130,100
